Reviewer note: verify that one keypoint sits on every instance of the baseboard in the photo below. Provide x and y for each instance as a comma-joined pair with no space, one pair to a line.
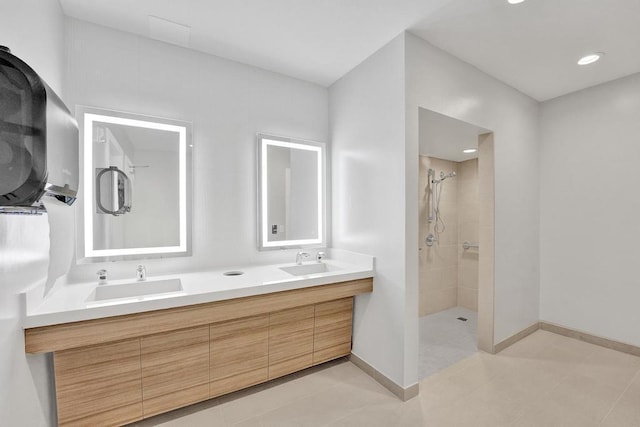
403,394
497,348
590,338
569,333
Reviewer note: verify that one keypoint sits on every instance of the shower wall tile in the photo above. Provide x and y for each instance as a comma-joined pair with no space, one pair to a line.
439,263
468,169
433,301
434,276
468,273
468,230
449,277
486,239
468,298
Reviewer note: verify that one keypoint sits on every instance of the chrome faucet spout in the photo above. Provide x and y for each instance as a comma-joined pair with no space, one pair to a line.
301,255
102,277
141,273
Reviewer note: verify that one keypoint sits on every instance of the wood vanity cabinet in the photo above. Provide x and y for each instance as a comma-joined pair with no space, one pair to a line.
175,369
99,385
290,340
332,331
239,355
122,369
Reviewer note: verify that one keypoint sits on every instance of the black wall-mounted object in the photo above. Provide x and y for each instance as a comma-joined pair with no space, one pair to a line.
38,140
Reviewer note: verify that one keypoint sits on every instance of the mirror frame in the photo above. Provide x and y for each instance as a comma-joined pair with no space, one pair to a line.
86,253
263,141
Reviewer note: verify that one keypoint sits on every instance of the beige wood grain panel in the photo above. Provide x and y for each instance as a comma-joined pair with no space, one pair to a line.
175,369
239,354
115,417
90,332
332,337
289,366
177,399
290,340
99,385
333,330
329,312
237,382
330,353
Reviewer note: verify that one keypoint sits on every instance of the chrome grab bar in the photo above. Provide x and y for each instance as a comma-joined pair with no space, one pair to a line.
467,245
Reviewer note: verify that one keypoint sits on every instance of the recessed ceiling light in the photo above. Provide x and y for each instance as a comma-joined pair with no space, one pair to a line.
470,150
590,59
515,1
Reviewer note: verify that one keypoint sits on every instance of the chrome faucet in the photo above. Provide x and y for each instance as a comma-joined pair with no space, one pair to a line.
102,277
301,255
141,273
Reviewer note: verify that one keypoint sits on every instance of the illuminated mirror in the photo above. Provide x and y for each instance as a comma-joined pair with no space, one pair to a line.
291,193
136,181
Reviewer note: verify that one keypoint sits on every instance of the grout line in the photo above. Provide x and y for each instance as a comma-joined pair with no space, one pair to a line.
637,375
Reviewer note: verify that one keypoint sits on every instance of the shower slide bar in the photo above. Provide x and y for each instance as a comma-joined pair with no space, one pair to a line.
467,245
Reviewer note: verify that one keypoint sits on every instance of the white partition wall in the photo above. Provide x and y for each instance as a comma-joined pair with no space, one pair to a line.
440,82
368,162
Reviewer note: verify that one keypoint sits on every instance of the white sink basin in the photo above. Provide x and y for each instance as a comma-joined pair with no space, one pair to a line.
307,269
137,291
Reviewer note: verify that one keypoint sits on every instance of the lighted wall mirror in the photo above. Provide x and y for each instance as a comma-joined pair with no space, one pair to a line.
291,193
136,177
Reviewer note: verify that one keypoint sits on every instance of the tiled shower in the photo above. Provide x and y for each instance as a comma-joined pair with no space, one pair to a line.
449,272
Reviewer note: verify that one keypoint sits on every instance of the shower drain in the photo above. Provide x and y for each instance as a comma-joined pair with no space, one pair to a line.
464,319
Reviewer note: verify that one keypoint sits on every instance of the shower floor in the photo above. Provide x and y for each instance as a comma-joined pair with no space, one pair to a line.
445,340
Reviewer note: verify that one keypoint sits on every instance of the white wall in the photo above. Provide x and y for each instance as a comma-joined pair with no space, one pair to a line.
589,206
227,102
440,82
34,31
374,134
368,163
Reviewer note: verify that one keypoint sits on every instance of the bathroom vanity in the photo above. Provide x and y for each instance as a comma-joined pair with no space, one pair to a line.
130,349
118,363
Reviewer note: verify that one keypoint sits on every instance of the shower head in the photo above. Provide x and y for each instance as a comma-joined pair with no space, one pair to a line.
449,175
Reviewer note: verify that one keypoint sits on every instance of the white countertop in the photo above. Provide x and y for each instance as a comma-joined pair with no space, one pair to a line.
70,303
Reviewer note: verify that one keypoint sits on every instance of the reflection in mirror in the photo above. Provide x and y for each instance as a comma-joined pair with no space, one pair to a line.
117,194
135,185
291,192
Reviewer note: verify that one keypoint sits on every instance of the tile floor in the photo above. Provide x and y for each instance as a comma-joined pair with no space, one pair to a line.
544,380
445,340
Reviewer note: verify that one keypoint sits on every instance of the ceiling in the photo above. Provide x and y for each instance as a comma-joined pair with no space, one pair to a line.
534,46
444,137
531,46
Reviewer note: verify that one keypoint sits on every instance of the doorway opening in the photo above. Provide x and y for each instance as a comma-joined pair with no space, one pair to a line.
456,198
